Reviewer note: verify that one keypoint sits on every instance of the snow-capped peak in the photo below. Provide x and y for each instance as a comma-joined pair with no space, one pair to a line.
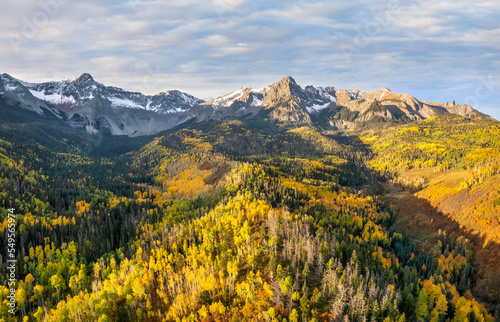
313,98
84,89
10,83
229,99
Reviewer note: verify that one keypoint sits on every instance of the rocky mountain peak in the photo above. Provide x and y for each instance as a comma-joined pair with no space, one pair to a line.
288,80
282,89
85,77
7,80
4,75
287,85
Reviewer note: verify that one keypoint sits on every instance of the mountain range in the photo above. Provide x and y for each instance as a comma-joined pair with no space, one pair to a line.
91,106
283,203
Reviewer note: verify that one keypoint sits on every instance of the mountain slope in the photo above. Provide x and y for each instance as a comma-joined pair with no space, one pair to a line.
451,165
16,95
94,107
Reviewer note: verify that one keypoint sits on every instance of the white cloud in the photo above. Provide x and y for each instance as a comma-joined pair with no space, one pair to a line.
215,40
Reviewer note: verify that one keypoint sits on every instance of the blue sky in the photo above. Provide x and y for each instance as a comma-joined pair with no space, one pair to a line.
435,50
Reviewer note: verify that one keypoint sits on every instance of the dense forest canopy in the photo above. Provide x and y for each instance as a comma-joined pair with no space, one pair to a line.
222,221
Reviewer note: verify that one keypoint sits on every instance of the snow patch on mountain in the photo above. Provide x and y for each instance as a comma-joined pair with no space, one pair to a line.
229,99
355,94
117,102
256,101
259,90
10,87
54,98
188,99
385,90
175,110
317,107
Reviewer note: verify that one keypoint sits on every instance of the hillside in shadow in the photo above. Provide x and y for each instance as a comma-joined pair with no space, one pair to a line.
425,225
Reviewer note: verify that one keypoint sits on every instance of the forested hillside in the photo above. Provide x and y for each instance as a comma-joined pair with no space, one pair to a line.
229,221
450,165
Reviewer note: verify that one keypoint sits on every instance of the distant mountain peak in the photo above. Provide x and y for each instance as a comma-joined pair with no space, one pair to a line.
285,87
288,79
84,78
9,78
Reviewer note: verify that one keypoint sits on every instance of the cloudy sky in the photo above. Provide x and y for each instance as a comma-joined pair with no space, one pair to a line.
435,50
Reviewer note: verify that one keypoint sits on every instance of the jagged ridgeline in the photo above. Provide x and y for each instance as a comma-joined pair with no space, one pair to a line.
93,107
257,216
